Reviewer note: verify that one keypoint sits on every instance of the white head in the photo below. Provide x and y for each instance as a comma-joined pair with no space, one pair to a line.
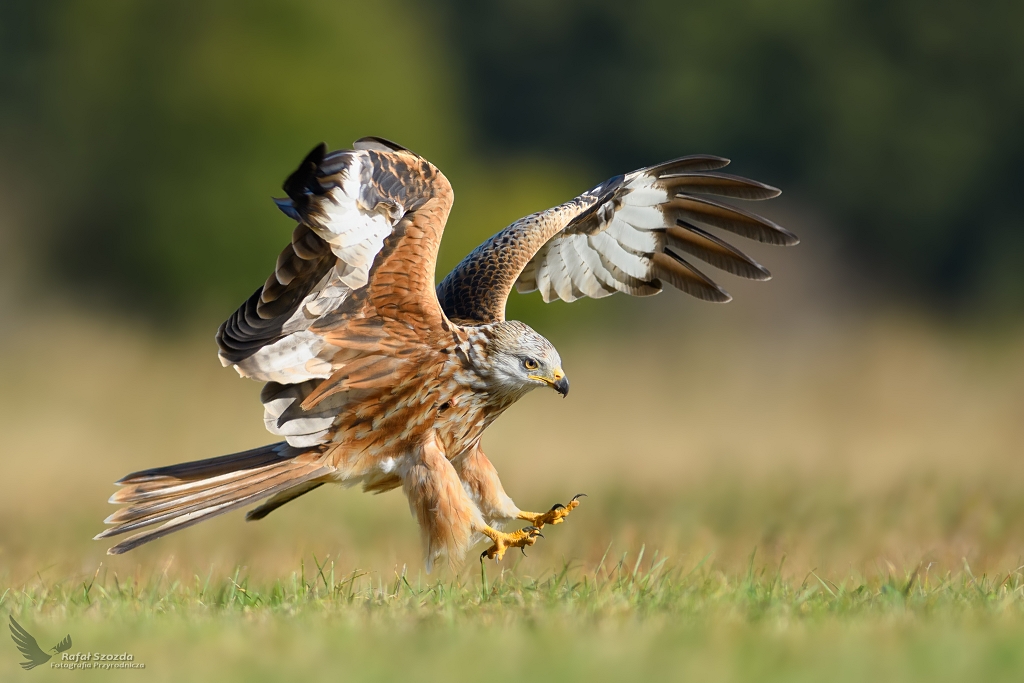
519,360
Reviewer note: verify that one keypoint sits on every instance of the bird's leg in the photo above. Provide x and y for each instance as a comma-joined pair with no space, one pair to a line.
556,515
481,482
522,538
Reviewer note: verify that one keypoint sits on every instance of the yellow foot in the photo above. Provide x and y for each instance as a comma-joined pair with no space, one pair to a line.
517,539
556,515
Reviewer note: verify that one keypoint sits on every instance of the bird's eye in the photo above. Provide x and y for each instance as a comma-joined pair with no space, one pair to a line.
530,364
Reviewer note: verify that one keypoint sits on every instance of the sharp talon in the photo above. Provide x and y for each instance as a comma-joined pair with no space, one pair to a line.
540,535
557,506
483,555
579,495
524,551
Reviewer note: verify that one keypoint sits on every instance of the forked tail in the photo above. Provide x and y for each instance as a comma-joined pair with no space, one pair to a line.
178,496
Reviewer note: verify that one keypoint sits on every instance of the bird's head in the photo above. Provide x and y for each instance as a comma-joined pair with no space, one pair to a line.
519,360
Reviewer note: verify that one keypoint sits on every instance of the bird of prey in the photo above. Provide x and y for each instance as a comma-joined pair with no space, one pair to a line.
29,648
374,375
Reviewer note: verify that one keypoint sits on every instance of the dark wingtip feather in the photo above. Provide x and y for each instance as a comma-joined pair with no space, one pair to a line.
731,218
687,237
721,184
303,179
683,276
287,207
379,144
688,164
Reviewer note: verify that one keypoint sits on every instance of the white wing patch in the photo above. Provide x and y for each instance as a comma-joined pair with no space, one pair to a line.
301,428
630,233
575,264
288,360
356,234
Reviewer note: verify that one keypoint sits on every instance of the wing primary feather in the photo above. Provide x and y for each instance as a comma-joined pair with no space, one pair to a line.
681,275
710,249
752,226
288,208
378,144
721,184
303,181
690,163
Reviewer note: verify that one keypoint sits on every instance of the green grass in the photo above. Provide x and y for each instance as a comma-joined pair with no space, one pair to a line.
629,618
876,470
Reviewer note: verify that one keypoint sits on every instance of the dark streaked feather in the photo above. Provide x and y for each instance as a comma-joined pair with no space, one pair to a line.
688,164
179,496
607,239
721,184
379,144
260,484
729,218
288,208
185,521
303,183
388,179
280,499
681,275
260,320
710,249
204,469
129,519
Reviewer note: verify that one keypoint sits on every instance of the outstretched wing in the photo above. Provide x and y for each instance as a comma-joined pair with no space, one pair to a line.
351,292
631,234
28,646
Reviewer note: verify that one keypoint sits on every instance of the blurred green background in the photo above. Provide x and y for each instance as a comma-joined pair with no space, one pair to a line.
858,417
139,142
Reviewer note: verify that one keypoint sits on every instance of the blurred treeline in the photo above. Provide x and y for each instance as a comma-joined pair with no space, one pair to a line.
139,141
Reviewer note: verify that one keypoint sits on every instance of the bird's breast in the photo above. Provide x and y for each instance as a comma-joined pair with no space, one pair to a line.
460,420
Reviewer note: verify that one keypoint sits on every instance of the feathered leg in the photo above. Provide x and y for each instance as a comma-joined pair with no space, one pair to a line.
480,480
447,515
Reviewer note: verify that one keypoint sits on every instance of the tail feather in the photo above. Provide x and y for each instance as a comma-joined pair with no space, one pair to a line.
166,481
280,499
179,496
129,519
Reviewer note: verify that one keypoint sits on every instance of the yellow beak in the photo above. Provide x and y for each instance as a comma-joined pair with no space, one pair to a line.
557,381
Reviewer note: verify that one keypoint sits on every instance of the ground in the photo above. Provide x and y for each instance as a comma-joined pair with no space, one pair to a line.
834,503
631,619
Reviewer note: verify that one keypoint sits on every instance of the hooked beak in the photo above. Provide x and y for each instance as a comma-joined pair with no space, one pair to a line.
557,381
561,383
